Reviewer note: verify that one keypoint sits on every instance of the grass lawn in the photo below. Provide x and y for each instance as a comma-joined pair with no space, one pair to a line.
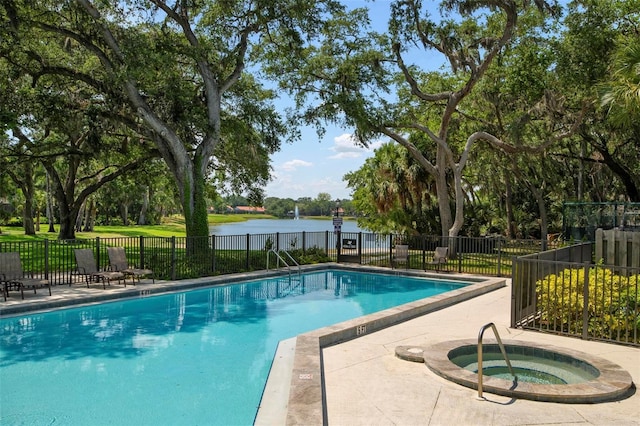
171,226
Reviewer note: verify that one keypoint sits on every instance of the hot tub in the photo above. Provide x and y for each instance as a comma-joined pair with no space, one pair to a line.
544,372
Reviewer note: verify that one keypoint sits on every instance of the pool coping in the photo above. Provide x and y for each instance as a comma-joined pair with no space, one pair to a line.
613,383
305,399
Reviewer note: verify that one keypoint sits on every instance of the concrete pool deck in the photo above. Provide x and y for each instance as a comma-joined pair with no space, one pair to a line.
366,384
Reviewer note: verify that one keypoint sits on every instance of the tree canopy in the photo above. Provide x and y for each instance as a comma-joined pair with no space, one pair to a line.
180,72
526,106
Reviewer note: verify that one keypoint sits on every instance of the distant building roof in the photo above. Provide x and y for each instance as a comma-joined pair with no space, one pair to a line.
246,209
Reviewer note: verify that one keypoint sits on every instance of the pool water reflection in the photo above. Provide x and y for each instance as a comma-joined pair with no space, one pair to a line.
196,357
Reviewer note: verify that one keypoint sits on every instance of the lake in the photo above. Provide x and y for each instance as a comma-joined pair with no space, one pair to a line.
289,230
269,226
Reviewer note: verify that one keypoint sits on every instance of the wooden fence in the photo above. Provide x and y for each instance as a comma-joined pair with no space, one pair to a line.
618,247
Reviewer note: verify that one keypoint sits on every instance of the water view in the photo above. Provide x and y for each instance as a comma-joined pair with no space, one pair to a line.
268,226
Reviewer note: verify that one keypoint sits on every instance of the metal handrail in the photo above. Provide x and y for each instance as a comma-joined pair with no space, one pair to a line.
280,258
292,259
502,349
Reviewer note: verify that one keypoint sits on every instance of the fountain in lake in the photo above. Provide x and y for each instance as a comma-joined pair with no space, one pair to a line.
296,213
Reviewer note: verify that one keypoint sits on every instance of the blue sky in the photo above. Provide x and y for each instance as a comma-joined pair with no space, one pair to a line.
313,165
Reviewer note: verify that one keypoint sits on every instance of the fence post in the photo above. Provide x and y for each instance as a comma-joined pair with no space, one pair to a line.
585,307
304,243
458,244
98,252
326,243
173,258
247,243
213,253
46,258
360,246
141,251
391,250
516,286
500,257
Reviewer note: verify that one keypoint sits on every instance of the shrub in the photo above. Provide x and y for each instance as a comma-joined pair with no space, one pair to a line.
613,308
311,256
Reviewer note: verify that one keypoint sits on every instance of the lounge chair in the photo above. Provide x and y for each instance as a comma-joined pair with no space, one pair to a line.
14,278
118,262
87,266
400,255
440,256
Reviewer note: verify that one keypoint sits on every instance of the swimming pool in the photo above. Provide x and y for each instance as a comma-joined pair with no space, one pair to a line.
196,357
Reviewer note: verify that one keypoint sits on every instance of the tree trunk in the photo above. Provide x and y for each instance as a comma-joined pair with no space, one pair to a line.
70,204
542,208
442,192
67,222
511,222
27,217
89,216
142,217
195,207
459,207
623,173
544,225
28,192
581,172
124,213
80,217
50,215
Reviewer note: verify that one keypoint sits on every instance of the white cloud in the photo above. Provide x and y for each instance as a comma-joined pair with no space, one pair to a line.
285,185
346,155
294,177
294,165
346,147
346,142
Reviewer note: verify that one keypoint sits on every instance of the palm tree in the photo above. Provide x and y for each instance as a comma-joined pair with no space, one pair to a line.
621,95
394,193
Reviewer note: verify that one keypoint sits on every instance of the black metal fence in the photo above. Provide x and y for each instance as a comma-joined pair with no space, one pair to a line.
557,291
580,220
563,292
476,255
176,258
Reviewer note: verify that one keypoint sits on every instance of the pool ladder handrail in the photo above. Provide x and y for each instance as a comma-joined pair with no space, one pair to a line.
281,259
502,349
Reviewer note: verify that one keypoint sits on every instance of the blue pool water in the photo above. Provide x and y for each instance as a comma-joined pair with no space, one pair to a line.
200,357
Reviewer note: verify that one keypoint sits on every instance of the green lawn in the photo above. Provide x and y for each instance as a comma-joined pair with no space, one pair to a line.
171,226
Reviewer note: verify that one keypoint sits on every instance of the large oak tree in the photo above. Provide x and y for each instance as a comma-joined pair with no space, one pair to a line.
365,80
182,67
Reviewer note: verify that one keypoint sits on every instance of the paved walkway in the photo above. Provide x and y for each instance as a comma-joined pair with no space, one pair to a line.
366,384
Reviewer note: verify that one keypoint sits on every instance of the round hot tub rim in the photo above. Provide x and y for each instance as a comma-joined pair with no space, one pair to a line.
613,382
513,351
